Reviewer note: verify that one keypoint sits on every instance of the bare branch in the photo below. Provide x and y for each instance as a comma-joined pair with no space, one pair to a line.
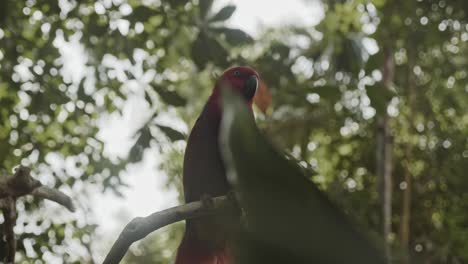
18,184
21,183
140,227
54,195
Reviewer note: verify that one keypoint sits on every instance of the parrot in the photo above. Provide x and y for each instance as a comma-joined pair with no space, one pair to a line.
205,240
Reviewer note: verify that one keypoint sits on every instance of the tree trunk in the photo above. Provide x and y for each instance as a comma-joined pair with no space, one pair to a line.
406,211
384,155
405,224
388,184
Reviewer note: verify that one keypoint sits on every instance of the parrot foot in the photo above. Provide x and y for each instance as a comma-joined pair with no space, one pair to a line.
207,201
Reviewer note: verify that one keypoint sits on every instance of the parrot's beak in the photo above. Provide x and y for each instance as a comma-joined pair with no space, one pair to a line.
250,87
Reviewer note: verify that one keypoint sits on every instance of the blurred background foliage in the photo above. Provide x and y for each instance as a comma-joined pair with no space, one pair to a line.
331,84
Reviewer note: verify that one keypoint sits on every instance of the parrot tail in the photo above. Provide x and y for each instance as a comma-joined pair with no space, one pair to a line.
194,251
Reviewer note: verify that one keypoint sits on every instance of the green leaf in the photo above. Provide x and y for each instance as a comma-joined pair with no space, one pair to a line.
223,14
169,97
207,49
233,36
141,13
281,49
328,92
287,216
171,133
148,98
205,6
379,97
378,3
4,7
82,94
350,55
5,150
374,62
144,138
198,51
177,2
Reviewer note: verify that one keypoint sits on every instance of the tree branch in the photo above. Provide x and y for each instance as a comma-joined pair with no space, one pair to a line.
54,195
9,214
19,184
140,227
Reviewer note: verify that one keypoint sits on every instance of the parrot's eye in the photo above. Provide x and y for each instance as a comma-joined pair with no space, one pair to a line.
236,73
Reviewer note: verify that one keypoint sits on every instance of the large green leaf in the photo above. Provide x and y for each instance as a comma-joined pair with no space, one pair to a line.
328,92
289,220
233,36
379,96
143,140
168,96
350,55
223,14
4,7
141,13
176,3
205,6
207,49
171,133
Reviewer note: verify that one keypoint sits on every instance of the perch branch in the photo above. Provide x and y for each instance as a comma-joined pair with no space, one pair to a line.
140,227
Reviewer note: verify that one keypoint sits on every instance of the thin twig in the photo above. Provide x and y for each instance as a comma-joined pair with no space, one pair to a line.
140,227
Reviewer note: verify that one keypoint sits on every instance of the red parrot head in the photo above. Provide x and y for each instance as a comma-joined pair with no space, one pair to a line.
243,80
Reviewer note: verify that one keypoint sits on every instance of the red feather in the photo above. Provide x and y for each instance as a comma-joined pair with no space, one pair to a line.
194,252
205,239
